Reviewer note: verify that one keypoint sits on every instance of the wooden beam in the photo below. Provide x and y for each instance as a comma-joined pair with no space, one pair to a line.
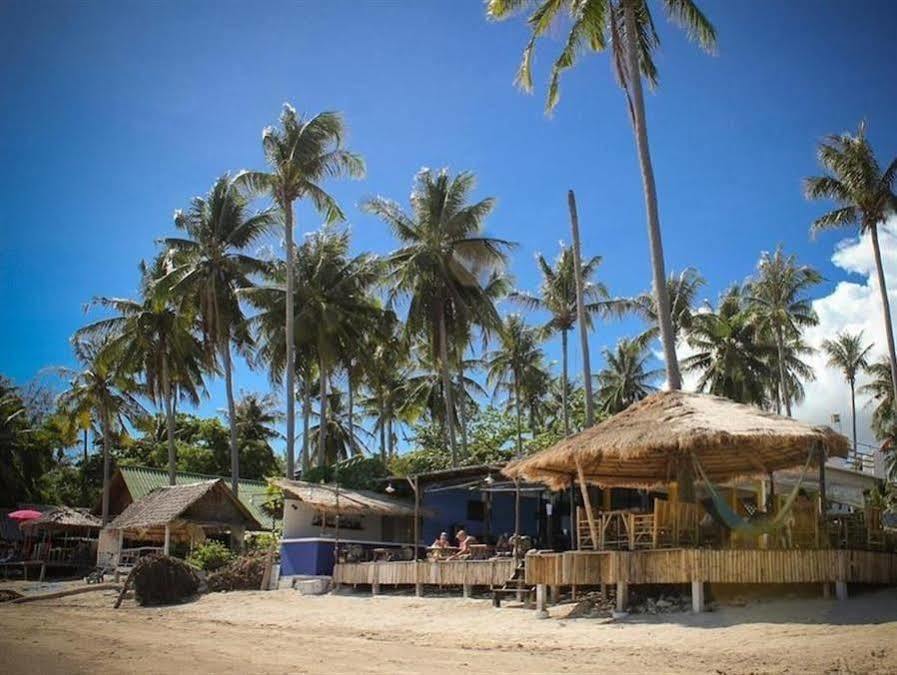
593,531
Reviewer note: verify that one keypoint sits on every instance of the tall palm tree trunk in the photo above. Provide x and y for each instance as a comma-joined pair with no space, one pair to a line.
169,422
462,408
566,412
106,464
306,425
383,450
446,385
580,308
639,123
232,417
853,412
351,410
322,418
389,441
783,383
290,346
84,495
886,309
519,415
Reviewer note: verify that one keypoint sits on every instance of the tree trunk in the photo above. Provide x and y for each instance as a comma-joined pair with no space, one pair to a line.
639,123
853,413
106,462
462,408
351,406
169,422
232,417
580,309
564,382
383,452
390,450
519,416
84,496
322,418
290,346
783,383
306,422
446,384
886,308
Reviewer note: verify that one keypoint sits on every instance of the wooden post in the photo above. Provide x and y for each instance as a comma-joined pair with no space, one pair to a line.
841,590
466,591
593,531
697,596
418,587
375,581
622,596
167,544
541,611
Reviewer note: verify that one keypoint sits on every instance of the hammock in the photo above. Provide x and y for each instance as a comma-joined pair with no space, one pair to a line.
736,523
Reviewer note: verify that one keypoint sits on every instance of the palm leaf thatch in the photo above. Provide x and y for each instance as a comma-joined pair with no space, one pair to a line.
329,499
643,446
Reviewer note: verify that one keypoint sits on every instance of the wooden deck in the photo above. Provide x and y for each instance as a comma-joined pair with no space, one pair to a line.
443,573
679,566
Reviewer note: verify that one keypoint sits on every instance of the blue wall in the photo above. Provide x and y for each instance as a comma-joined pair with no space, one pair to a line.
306,557
444,510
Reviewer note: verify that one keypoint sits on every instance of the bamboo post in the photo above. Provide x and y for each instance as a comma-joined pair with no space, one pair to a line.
167,544
593,531
418,587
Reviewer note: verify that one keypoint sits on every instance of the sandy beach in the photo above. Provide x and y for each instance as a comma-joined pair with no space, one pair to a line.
281,631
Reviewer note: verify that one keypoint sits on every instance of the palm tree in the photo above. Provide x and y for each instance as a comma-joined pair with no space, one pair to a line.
342,439
508,366
624,378
628,26
301,154
682,290
731,354
881,390
209,268
557,295
778,302
847,353
154,338
865,197
439,266
110,393
333,307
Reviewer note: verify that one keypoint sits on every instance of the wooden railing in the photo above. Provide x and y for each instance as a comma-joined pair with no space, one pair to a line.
442,573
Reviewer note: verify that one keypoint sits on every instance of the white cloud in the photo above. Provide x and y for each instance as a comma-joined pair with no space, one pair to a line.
851,306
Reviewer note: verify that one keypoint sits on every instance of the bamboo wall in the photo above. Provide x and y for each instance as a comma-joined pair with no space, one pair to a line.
676,566
445,573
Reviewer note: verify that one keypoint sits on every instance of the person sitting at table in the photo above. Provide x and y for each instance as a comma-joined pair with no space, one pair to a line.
464,542
442,541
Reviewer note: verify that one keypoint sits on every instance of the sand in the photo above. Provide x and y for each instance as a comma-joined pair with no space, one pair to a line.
281,631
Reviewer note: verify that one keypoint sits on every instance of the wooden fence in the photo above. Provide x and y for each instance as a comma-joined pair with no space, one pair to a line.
442,573
677,566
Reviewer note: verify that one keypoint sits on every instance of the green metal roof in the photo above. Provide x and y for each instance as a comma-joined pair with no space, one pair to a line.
140,480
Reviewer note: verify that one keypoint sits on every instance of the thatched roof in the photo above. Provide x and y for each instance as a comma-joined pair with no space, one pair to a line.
206,502
360,502
643,445
64,518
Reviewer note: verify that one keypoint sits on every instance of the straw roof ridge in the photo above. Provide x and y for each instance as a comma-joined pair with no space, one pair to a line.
332,500
65,517
643,445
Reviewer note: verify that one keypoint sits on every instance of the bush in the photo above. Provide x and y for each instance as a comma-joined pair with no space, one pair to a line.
210,556
243,574
162,580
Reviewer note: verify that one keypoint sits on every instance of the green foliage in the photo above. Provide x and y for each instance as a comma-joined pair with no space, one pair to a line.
360,474
210,556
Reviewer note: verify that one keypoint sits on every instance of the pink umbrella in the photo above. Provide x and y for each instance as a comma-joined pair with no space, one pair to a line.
24,514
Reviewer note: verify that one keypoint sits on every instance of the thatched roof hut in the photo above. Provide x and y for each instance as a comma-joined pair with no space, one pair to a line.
327,499
645,445
184,510
64,518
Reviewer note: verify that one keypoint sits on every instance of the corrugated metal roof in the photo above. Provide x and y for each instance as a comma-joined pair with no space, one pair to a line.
141,480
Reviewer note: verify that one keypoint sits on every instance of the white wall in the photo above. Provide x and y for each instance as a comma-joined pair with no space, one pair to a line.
298,518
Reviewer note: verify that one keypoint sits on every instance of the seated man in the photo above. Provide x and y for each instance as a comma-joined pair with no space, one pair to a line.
464,542
442,541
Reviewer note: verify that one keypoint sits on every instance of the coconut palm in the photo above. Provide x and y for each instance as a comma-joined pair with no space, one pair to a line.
209,268
848,354
682,290
625,378
508,366
881,390
333,307
864,194
777,299
732,355
627,26
155,338
110,393
441,264
301,154
557,295
341,440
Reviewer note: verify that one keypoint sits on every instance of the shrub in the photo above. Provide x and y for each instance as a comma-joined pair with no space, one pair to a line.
210,556
243,574
162,580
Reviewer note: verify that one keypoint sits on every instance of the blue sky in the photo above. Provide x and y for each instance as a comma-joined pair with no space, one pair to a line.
112,115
